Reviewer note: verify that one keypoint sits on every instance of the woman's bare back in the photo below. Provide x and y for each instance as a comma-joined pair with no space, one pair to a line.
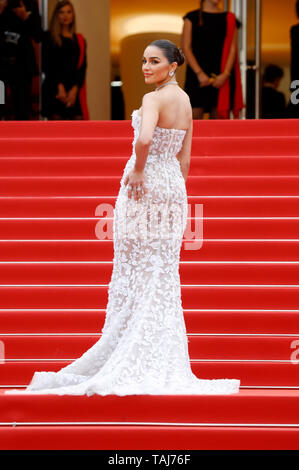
175,108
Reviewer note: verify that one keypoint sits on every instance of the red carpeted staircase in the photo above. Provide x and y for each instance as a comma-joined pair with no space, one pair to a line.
240,289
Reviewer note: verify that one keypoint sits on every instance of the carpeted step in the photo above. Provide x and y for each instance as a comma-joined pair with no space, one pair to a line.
213,321
193,297
248,406
210,347
101,166
69,129
239,284
99,272
152,436
212,206
110,185
102,250
101,228
273,374
203,128
107,146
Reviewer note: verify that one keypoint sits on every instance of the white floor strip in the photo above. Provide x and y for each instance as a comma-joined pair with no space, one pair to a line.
294,286
96,333
244,387
184,240
111,218
181,262
185,310
245,361
189,197
145,423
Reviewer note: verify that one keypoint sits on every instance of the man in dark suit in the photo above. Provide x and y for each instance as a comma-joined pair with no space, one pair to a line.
273,101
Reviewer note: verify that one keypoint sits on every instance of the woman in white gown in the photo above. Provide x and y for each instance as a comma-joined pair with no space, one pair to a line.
144,348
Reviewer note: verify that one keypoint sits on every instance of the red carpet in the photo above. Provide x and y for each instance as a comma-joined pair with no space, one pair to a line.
240,290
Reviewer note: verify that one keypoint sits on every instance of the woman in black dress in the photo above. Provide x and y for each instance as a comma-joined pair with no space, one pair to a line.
293,106
203,37
64,66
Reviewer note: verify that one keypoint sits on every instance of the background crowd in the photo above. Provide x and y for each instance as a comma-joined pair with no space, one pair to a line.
63,61
209,41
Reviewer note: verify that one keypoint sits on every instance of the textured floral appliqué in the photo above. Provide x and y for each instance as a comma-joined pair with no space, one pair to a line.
143,348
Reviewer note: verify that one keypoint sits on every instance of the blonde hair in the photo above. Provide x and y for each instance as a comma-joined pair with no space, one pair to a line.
55,26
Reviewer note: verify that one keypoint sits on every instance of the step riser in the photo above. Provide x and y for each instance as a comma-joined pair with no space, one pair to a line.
70,129
201,128
261,374
200,347
101,228
212,206
235,409
100,273
211,166
223,322
102,250
215,297
121,437
110,186
105,146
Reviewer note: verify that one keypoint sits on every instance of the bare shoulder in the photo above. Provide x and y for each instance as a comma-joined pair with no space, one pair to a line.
150,97
186,96
187,103
150,102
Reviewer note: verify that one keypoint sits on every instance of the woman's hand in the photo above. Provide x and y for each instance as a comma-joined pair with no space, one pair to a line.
220,80
61,95
72,96
136,179
203,79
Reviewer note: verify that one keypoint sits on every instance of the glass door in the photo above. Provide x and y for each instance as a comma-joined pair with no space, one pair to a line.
249,13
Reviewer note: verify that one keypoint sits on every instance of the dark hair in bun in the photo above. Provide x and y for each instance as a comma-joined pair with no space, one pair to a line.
170,50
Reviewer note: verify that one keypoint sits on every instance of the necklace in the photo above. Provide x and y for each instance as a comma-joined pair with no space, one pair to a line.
164,84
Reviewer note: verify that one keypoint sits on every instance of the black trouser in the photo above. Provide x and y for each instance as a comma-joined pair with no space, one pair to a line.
20,85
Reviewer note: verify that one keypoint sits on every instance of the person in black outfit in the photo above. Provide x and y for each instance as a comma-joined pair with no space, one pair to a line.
202,46
273,101
293,108
20,22
117,101
60,57
3,5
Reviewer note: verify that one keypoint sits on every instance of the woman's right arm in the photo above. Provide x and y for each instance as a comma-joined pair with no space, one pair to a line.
51,66
186,45
50,59
184,155
81,72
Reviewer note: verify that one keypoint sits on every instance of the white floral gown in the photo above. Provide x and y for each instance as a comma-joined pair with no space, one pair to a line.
144,347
